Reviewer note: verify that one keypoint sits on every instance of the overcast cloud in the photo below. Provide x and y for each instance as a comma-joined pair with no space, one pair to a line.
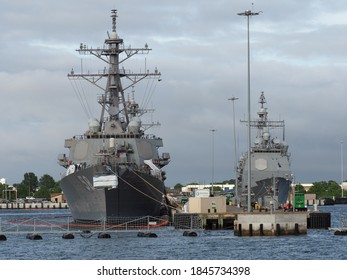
298,58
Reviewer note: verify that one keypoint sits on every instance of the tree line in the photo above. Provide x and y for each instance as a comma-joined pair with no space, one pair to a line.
31,186
322,189
43,187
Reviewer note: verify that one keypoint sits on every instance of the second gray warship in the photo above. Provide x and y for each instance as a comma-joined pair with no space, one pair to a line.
114,169
270,164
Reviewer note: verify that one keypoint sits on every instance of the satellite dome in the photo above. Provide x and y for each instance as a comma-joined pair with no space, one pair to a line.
257,141
134,125
94,125
113,35
266,136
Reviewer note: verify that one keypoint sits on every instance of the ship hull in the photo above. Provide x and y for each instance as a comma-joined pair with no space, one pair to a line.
136,195
264,191
270,177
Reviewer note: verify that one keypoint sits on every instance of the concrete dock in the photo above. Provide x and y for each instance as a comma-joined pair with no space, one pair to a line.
255,223
33,205
267,224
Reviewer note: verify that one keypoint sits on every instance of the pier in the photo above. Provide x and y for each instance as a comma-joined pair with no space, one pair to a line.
33,205
255,223
259,224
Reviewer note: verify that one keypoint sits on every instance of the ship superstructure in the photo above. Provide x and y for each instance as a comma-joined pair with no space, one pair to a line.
114,169
270,163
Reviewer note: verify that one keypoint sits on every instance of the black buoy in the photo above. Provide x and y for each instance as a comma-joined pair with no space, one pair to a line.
2,237
68,236
190,233
340,232
86,234
146,234
104,235
33,236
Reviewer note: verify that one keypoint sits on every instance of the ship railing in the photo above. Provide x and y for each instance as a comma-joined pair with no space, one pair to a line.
34,225
137,224
150,136
266,150
124,135
65,224
187,221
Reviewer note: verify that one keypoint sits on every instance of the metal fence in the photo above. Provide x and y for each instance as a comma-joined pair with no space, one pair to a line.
120,224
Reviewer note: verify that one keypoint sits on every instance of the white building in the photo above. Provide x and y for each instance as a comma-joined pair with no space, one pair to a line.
191,188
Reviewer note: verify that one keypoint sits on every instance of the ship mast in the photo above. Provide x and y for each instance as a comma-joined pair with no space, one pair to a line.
263,124
114,86
113,100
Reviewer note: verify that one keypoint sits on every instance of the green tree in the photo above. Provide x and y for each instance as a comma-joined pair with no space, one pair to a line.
299,189
31,182
47,186
2,187
334,189
43,192
324,189
231,182
178,186
47,181
56,189
22,190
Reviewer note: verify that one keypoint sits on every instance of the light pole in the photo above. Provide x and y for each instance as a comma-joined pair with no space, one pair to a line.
235,154
293,199
248,14
342,168
213,131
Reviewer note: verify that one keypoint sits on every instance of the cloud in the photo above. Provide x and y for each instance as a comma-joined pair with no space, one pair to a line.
297,58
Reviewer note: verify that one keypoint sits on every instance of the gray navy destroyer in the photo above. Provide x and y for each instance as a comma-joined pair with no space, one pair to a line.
270,164
114,169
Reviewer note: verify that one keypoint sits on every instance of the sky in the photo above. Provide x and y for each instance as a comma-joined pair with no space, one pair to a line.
298,59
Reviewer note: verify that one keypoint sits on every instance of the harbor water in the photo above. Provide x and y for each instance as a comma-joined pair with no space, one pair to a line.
318,244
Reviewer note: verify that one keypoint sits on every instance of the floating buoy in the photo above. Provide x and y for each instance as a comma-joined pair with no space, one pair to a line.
190,233
86,234
104,235
146,234
68,236
34,236
2,237
340,232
